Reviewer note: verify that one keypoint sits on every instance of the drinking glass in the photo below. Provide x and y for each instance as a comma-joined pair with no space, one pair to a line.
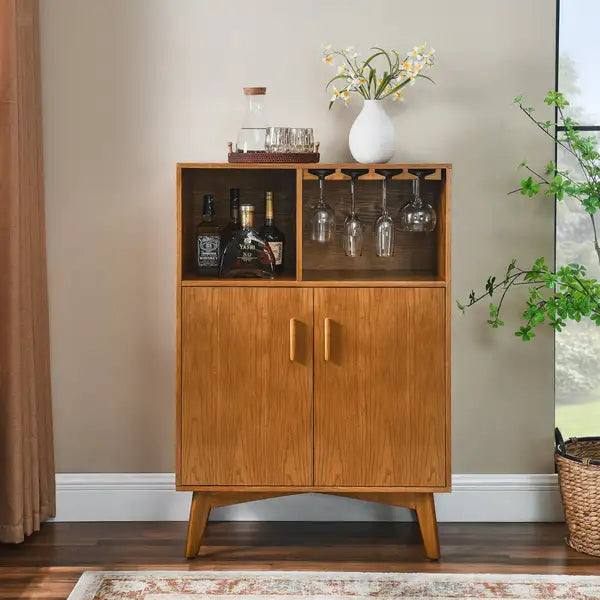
417,215
322,221
309,140
296,139
270,139
384,226
353,229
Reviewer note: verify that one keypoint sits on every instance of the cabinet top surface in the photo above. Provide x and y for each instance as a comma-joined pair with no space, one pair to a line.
217,165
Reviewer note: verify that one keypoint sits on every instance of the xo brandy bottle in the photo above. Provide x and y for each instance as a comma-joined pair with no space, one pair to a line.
272,235
246,253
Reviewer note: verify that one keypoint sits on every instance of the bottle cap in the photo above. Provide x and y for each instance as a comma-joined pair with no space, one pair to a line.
268,195
247,208
255,91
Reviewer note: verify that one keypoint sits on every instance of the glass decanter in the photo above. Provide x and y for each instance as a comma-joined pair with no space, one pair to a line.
322,221
384,226
418,215
353,229
246,253
253,133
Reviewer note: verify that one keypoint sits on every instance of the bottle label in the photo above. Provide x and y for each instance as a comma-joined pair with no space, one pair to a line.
277,250
208,251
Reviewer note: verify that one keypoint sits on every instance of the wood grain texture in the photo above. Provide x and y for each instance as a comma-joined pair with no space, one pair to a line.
321,489
329,278
414,252
306,166
201,505
447,205
425,507
49,563
380,399
179,234
246,408
200,508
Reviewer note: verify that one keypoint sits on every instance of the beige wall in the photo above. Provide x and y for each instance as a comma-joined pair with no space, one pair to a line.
131,87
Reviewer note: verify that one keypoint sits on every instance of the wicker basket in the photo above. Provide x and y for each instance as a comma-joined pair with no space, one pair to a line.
578,463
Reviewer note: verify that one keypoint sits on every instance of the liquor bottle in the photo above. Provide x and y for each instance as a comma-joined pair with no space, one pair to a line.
246,253
208,239
272,235
234,216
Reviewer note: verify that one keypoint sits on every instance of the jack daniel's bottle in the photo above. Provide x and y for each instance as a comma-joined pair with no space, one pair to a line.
208,239
247,254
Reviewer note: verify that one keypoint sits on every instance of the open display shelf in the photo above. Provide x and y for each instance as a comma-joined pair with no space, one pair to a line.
420,259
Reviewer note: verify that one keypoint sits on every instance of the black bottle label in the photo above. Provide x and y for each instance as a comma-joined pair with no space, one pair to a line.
208,251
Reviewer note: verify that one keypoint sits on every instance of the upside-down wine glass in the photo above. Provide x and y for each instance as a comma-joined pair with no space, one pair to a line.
418,215
353,229
322,221
384,226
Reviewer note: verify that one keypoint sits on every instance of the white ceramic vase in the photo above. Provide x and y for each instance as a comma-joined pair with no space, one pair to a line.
372,136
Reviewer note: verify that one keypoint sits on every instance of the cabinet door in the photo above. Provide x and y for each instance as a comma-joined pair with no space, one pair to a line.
380,394
246,406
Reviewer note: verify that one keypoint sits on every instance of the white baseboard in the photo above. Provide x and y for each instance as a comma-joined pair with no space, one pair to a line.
152,497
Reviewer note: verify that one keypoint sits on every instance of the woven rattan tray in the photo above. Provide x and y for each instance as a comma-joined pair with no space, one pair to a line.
273,157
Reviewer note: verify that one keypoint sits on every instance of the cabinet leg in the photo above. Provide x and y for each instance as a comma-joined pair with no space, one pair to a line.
199,511
425,507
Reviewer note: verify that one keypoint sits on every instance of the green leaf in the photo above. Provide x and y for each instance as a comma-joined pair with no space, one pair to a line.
529,187
426,77
333,79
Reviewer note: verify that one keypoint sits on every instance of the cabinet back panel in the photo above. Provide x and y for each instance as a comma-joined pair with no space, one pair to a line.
252,184
414,252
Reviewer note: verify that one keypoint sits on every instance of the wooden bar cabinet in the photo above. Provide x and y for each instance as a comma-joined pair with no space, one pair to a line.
334,377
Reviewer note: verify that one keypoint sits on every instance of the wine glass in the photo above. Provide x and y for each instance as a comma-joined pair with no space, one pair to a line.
322,221
384,226
417,215
353,229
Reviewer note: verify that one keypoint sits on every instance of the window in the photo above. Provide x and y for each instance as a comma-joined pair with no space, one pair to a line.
577,347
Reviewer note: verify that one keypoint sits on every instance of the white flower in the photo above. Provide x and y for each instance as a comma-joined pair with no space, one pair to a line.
336,94
348,50
345,97
416,53
398,96
326,47
328,59
341,70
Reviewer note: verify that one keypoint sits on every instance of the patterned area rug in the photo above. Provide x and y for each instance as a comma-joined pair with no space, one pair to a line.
282,585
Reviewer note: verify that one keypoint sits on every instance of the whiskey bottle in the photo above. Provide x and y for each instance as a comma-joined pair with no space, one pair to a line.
208,239
246,253
234,216
272,235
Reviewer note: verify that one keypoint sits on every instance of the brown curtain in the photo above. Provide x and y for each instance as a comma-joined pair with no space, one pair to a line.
27,494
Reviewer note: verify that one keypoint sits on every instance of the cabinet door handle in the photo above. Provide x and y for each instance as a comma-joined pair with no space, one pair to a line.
327,338
292,339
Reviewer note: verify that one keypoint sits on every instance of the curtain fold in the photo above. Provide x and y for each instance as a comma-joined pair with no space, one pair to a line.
27,490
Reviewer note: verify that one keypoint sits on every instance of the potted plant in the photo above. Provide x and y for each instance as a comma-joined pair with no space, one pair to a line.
556,296
372,136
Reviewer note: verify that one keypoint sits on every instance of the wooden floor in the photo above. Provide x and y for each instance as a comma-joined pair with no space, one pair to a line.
50,562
